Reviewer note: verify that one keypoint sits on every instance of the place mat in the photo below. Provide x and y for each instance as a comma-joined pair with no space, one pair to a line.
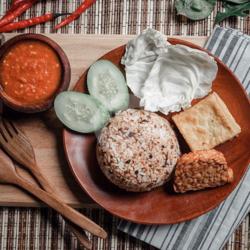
127,17
42,229
29,228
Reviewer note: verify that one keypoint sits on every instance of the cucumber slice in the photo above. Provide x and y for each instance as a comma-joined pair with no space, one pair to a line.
80,112
107,84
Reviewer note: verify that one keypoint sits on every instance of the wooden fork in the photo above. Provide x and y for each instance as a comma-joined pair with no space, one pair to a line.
18,146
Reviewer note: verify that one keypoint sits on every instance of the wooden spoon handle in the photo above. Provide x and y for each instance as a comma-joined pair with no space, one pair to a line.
41,179
80,235
82,238
54,202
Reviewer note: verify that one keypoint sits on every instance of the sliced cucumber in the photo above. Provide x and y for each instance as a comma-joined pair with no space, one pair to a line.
107,84
80,112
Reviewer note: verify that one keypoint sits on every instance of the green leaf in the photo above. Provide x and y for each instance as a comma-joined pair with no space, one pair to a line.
233,10
195,9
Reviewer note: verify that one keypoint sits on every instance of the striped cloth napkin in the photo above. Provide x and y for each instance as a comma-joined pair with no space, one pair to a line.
211,230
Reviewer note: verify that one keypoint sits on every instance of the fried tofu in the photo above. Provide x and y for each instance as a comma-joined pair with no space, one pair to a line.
207,123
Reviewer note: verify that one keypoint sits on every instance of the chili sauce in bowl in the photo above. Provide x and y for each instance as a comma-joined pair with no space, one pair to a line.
33,70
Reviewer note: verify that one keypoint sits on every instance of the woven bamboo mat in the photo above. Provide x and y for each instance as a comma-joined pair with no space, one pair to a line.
127,17
23,228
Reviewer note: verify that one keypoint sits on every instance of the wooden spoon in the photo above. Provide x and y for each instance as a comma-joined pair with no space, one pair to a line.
12,137
9,175
19,147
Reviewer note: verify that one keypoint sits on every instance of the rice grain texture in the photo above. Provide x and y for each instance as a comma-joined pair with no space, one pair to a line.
137,150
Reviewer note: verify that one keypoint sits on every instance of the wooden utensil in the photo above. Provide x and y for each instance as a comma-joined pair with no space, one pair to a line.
14,141
27,159
25,144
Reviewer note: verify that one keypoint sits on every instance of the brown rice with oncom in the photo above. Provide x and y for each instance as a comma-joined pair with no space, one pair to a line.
137,150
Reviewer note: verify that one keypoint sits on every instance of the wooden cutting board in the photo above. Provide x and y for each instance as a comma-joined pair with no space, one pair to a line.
44,130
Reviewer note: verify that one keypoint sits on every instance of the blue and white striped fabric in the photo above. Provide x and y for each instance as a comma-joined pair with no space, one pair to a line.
212,230
233,48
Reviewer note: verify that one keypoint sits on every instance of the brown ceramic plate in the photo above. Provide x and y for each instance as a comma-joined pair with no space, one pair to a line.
161,206
65,73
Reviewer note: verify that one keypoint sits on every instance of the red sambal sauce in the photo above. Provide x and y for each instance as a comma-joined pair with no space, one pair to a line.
30,72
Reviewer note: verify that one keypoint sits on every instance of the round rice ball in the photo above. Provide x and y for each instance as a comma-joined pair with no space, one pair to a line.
137,150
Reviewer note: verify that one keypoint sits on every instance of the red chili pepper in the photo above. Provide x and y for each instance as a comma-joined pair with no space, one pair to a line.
17,3
85,5
16,13
29,22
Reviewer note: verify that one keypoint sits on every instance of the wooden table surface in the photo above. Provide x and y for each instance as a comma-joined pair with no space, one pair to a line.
44,130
